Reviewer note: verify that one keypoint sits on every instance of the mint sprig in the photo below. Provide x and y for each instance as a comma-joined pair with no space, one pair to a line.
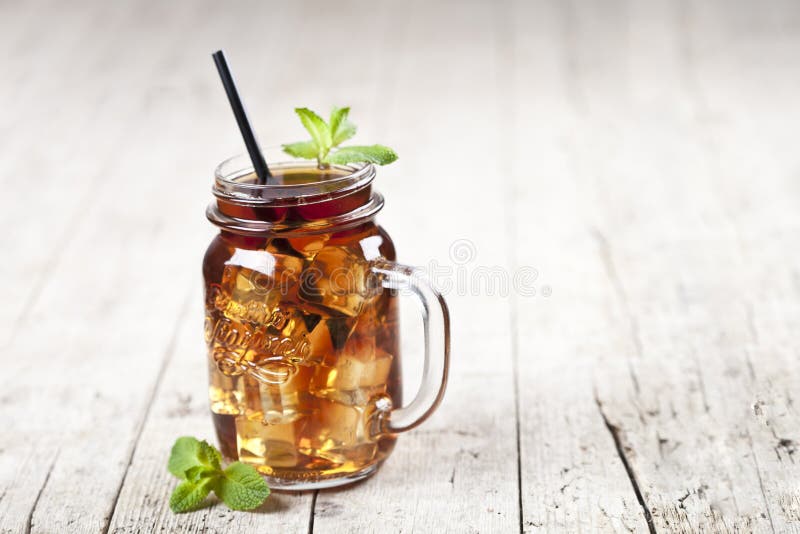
327,136
199,465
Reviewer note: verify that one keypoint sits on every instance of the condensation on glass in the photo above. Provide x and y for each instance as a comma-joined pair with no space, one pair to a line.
301,325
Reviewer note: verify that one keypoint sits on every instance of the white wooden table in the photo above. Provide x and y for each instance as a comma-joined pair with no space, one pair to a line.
641,156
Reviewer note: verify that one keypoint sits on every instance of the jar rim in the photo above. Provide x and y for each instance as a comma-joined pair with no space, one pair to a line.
330,204
288,228
228,173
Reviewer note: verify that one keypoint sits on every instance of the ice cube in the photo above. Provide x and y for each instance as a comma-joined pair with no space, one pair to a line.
288,267
310,339
246,295
268,445
337,434
350,397
318,345
291,337
353,372
337,281
277,346
225,393
337,424
309,245
255,281
286,403
354,379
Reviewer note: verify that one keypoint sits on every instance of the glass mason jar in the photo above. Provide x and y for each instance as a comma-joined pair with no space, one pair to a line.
301,324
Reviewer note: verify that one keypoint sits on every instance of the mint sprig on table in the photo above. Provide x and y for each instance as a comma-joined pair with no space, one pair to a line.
199,465
327,136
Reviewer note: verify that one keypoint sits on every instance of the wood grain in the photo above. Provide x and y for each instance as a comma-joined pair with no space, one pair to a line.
572,477
635,163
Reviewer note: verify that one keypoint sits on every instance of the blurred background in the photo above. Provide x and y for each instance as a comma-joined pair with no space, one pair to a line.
640,156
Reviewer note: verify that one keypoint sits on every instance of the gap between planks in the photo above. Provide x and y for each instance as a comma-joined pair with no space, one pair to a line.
168,353
615,431
504,35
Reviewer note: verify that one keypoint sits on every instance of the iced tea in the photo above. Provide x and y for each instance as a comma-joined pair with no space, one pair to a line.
302,346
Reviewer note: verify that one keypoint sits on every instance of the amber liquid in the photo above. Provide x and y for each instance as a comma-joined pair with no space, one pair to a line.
302,354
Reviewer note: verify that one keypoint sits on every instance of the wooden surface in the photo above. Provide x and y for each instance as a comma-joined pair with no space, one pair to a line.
642,157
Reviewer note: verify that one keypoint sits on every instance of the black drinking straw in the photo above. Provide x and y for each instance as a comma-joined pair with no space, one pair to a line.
259,164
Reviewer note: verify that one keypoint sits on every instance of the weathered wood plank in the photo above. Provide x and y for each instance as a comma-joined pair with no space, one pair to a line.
572,477
673,418
60,132
458,472
56,320
758,194
684,281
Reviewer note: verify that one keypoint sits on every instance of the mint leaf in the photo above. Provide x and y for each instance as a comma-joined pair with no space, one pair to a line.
241,487
318,128
199,465
188,452
379,154
341,128
338,115
188,495
197,473
184,455
302,149
209,456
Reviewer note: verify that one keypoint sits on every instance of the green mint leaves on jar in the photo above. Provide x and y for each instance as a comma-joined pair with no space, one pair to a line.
327,136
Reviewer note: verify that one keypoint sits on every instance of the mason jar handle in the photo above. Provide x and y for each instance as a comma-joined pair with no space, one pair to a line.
436,327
